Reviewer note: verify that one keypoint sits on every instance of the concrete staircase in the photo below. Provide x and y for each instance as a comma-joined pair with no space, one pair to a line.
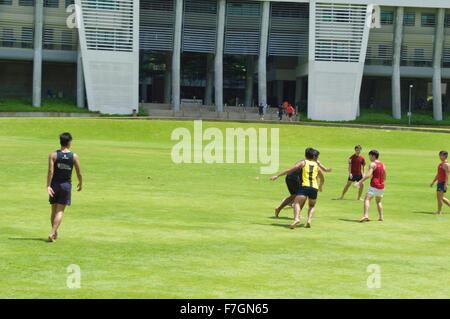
209,112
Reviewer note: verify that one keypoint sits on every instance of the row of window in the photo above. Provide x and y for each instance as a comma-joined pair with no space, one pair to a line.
52,39
30,3
427,19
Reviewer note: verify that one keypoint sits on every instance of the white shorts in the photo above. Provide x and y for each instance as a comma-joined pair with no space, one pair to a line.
375,192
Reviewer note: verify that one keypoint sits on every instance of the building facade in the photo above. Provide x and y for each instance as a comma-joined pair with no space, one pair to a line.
328,57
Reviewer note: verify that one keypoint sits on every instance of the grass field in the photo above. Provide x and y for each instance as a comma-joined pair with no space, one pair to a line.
146,228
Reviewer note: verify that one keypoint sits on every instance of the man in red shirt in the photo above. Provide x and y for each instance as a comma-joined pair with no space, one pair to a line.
356,167
290,112
377,174
442,181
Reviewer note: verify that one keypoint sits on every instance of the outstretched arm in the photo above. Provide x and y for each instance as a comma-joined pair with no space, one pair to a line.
297,166
323,168
368,175
51,168
76,163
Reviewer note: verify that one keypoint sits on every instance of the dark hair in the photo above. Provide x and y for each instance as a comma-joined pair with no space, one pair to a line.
65,139
358,147
316,154
443,153
309,153
374,153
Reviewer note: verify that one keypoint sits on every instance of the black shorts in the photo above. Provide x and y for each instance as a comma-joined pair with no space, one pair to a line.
355,178
309,192
63,193
292,185
441,188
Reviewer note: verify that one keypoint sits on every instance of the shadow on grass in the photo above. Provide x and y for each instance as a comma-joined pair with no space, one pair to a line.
282,218
349,220
28,239
426,213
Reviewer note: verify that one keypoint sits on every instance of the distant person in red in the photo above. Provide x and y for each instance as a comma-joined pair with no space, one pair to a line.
442,181
356,170
290,112
377,174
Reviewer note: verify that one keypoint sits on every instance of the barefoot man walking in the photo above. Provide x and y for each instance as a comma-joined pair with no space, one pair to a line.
377,174
59,181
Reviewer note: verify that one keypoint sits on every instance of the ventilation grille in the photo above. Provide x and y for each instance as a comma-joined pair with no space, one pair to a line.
339,31
380,47
108,24
243,24
417,49
200,26
157,20
289,29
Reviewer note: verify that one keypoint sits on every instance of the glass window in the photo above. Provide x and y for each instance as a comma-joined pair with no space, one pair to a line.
387,17
447,20
51,3
27,37
428,19
409,19
26,3
8,37
6,2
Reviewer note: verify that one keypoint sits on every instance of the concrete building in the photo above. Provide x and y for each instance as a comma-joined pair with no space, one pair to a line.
330,58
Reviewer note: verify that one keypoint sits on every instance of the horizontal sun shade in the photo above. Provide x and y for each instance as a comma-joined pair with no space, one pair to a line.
157,19
339,31
200,26
289,25
243,24
108,24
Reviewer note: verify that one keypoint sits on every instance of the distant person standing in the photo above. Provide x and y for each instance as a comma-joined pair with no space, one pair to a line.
261,111
59,181
442,181
290,112
377,174
356,167
280,112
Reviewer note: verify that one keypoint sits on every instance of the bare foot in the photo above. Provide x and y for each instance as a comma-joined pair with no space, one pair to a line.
295,224
364,219
51,238
308,225
277,212
55,236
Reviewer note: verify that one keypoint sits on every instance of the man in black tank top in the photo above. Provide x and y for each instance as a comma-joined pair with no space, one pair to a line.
59,181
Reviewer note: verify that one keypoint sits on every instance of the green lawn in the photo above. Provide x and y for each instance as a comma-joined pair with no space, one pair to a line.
48,105
144,227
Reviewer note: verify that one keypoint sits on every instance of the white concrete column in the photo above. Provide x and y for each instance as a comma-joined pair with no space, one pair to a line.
209,80
262,62
37,56
218,61
168,80
249,81
176,57
396,57
437,65
81,103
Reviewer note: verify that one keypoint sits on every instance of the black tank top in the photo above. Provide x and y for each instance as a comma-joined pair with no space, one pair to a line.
63,167
295,176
